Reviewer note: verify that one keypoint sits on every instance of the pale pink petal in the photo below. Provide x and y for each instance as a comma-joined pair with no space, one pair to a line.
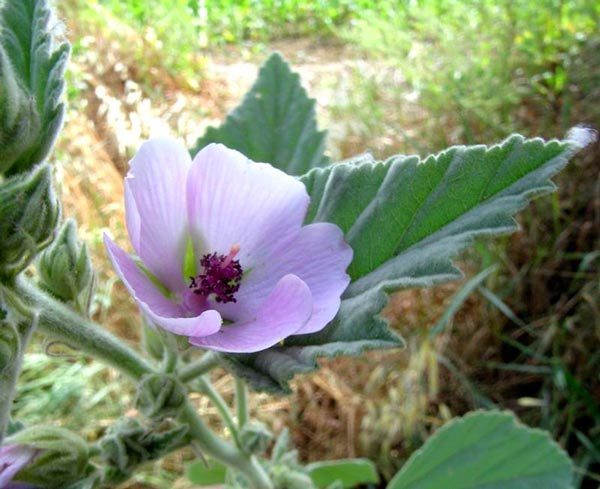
232,200
132,217
161,310
285,311
12,459
318,255
155,202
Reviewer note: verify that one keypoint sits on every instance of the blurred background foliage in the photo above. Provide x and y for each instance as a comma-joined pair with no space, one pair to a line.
390,77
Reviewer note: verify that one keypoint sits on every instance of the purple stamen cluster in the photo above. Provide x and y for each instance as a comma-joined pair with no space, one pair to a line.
222,276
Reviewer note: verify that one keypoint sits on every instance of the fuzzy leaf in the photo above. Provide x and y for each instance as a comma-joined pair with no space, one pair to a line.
274,124
406,219
28,38
486,450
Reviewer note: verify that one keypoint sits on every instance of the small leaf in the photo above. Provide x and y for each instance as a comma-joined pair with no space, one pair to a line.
405,220
486,450
350,473
206,475
28,37
275,123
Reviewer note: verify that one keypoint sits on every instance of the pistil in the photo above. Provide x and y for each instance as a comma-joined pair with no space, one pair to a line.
222,276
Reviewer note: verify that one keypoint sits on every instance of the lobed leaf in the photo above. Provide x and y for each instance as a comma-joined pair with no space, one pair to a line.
406,219
27,37
275,123
486,450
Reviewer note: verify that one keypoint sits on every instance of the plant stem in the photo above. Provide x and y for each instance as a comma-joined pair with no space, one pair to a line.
170,355
206,387
9,375
202,366
241,402
224,452
62,324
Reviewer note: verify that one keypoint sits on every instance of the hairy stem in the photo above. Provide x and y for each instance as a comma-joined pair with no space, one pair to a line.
205,386
224,452
9,376
62,324
202,366
241,402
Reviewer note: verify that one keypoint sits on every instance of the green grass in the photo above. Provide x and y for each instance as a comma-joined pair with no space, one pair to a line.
481,69
59,387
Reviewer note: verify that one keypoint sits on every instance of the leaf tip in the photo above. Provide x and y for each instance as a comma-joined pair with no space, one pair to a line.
582,136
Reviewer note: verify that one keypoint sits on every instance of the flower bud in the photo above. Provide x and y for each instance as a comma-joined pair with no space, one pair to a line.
62,456
29,212
287,478
128,444
19,120
65,268
160,396
255,437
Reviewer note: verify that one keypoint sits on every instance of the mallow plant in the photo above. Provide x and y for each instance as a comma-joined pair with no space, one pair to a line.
254,253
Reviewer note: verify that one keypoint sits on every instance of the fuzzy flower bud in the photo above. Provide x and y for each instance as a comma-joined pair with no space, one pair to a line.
66,269
129,443
62,456
29,212
19,120
287,478
255,437
160,396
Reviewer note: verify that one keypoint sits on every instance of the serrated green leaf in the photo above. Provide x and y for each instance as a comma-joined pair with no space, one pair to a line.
205,474
394,210
405,220
486,450
28,38
348,473
275,123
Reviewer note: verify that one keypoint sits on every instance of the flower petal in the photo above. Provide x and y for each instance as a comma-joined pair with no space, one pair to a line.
232,200
156,208
154,304
286,310
319,256
12,459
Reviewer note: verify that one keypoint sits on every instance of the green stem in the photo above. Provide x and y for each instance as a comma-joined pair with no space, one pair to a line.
206,387
170,354
62,324
241,402
170,361
224,452
202,366
10,374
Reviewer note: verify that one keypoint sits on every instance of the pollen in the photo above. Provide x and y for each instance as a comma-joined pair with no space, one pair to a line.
221,276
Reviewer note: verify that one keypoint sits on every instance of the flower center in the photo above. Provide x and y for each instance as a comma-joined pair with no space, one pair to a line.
222,276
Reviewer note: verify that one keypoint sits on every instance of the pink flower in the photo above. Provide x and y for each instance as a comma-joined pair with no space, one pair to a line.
12,459
223,256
